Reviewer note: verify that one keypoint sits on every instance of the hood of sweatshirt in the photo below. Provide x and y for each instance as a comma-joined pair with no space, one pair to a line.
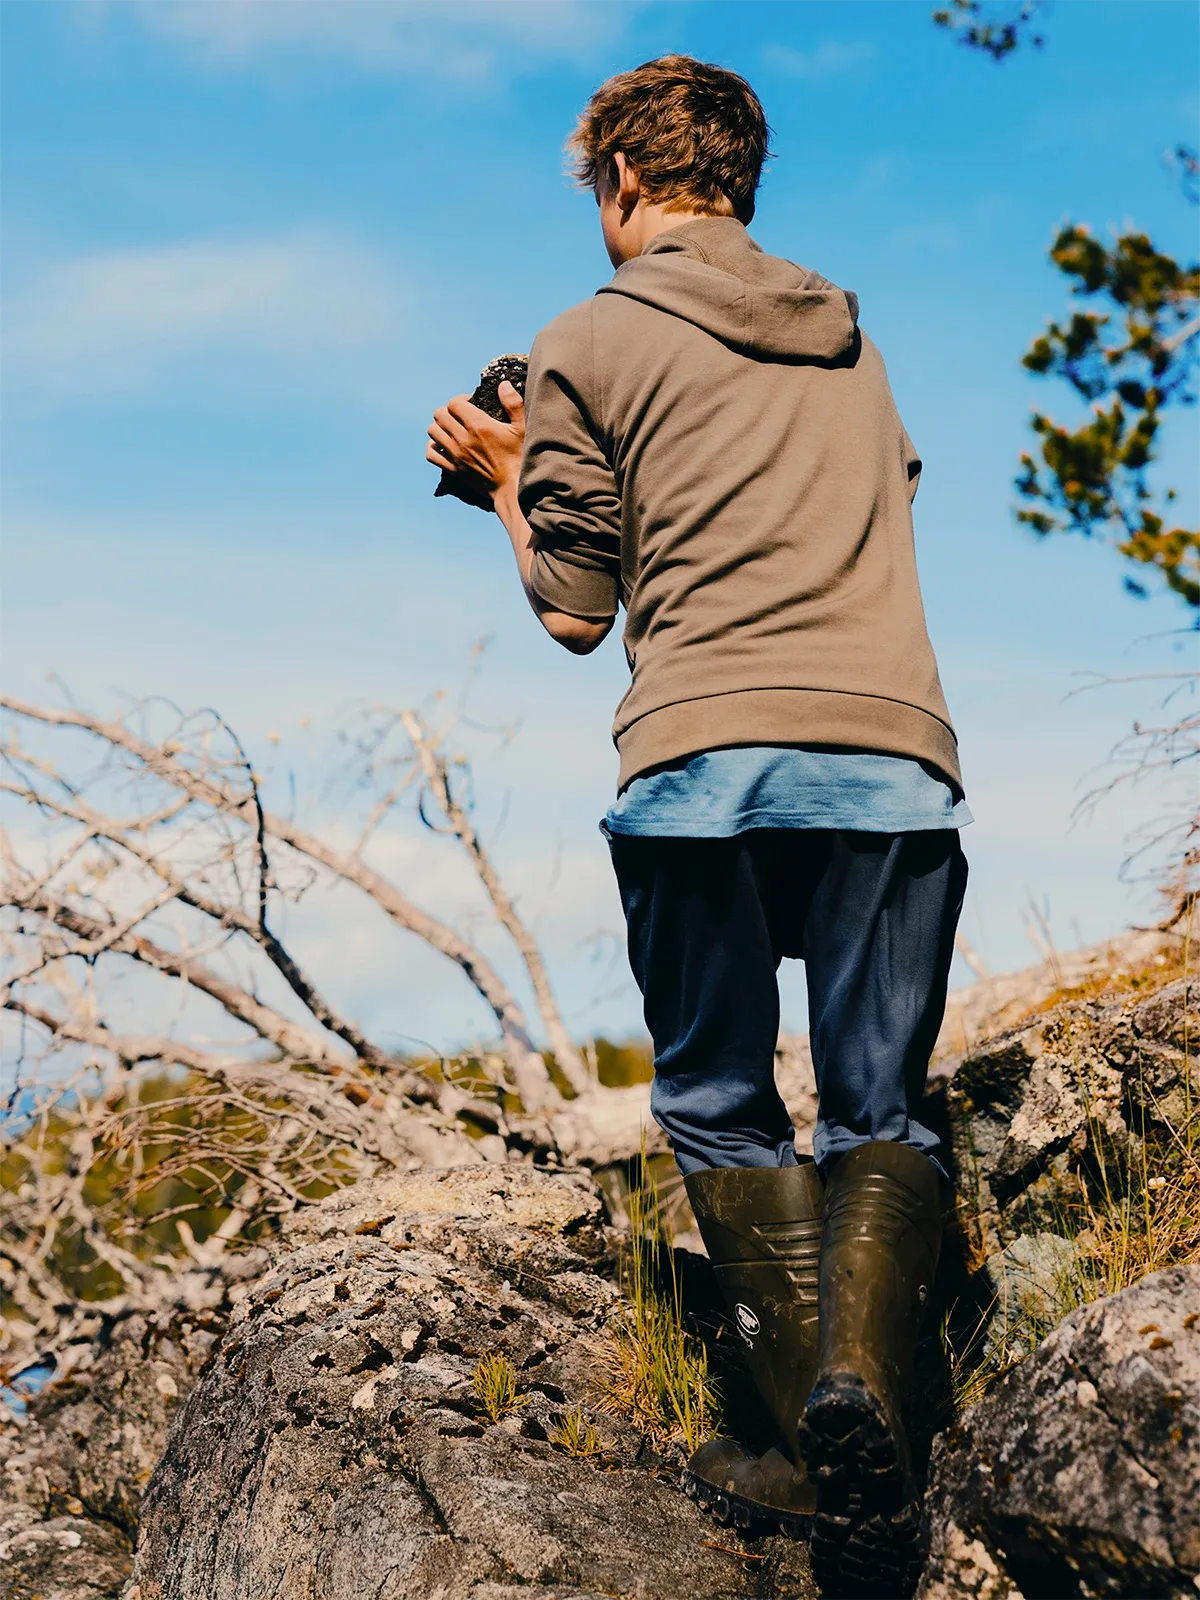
710,272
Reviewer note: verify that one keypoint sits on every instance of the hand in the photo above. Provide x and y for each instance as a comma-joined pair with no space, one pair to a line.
462,436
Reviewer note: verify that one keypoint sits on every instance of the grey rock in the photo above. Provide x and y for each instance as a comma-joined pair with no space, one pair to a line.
103,1428
334,1447
1080,1085
1033,1281
1077,1476
60,1558
73,1467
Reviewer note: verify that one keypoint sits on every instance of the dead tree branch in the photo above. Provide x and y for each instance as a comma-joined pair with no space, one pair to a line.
142,890
209,789
437,776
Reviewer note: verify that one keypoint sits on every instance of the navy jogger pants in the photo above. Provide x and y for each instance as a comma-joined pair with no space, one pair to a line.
873,917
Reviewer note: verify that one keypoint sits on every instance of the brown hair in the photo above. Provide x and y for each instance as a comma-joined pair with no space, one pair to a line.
695,134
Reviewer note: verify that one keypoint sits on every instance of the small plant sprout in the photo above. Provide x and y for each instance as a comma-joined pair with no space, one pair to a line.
576,1435
495,1383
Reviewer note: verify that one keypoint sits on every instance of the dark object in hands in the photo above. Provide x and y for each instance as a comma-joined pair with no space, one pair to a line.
468,485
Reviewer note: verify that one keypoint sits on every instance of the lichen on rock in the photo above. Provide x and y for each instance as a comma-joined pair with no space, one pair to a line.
336,1447
1078,1474
309,1423
1081,1083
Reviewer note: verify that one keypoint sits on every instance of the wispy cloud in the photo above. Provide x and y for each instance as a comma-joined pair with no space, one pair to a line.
119,319
448,38
829,60
935,237
942,235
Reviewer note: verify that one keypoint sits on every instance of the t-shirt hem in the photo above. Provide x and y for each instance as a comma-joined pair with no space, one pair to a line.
747,822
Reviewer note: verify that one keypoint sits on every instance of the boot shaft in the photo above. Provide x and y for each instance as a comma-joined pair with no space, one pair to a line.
880,1245
761,1227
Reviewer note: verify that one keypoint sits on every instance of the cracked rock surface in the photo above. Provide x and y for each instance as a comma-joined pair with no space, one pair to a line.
60,1558
334,1448
1078,1475
73,1467
1026,1109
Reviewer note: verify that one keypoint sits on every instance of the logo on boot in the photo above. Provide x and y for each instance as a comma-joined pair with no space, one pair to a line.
748,1323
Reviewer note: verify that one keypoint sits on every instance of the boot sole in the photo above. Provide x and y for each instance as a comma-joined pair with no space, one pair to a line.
749,1517
866,1536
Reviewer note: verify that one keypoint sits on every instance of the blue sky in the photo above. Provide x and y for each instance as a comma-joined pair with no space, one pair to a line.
249,244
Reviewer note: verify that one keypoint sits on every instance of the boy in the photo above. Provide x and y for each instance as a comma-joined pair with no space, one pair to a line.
711,442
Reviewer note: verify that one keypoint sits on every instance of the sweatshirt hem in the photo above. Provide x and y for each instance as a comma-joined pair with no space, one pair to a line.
821,717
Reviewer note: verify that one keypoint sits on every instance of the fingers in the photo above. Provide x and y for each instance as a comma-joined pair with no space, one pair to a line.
468,417
451,420
513,402
462,435
444,447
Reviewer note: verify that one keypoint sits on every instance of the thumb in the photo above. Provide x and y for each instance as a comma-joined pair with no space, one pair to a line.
513,402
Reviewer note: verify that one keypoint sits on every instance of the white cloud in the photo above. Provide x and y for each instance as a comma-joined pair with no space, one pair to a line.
828,60
450,38
115,319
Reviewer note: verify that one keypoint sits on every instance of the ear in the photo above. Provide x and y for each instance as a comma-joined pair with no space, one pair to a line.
628,185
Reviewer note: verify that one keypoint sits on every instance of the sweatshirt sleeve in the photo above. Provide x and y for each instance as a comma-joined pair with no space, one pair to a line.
567,489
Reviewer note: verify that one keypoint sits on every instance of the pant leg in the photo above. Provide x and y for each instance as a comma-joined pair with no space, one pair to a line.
878,939
701,949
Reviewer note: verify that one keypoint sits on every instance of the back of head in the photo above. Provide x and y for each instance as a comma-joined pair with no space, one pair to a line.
695,134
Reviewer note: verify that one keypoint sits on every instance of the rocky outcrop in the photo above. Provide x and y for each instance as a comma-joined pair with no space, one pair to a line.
999,1001
336,1446
1078,1474
60,1558
74,1464
326,1439
1039,1108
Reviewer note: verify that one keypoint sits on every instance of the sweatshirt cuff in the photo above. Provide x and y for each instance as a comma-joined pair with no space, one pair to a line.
577,591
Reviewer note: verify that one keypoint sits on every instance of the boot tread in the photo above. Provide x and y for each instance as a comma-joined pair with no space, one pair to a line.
866,1531
748,1516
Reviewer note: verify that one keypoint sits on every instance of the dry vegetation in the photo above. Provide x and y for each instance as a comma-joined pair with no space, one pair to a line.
1133,1207
655,1370
146,875
145,846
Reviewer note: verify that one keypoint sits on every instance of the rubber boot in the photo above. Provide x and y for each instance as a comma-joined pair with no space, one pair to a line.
879,1252
761,1227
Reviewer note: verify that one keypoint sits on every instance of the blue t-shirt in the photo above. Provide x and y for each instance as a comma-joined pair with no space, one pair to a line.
719,793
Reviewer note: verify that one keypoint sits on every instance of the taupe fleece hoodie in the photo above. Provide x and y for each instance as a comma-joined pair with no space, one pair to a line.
713,443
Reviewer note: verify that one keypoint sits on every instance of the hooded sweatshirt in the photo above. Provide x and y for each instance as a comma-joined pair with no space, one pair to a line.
712,442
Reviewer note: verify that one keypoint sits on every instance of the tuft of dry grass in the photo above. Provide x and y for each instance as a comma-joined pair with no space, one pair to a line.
1138,1213
1141,1212
654,1369
576,1435
1000,1340
495,1384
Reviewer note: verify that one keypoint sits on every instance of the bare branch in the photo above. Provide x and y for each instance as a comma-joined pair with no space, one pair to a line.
232,916
294,1041
396,1138
529,1071
570,1062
